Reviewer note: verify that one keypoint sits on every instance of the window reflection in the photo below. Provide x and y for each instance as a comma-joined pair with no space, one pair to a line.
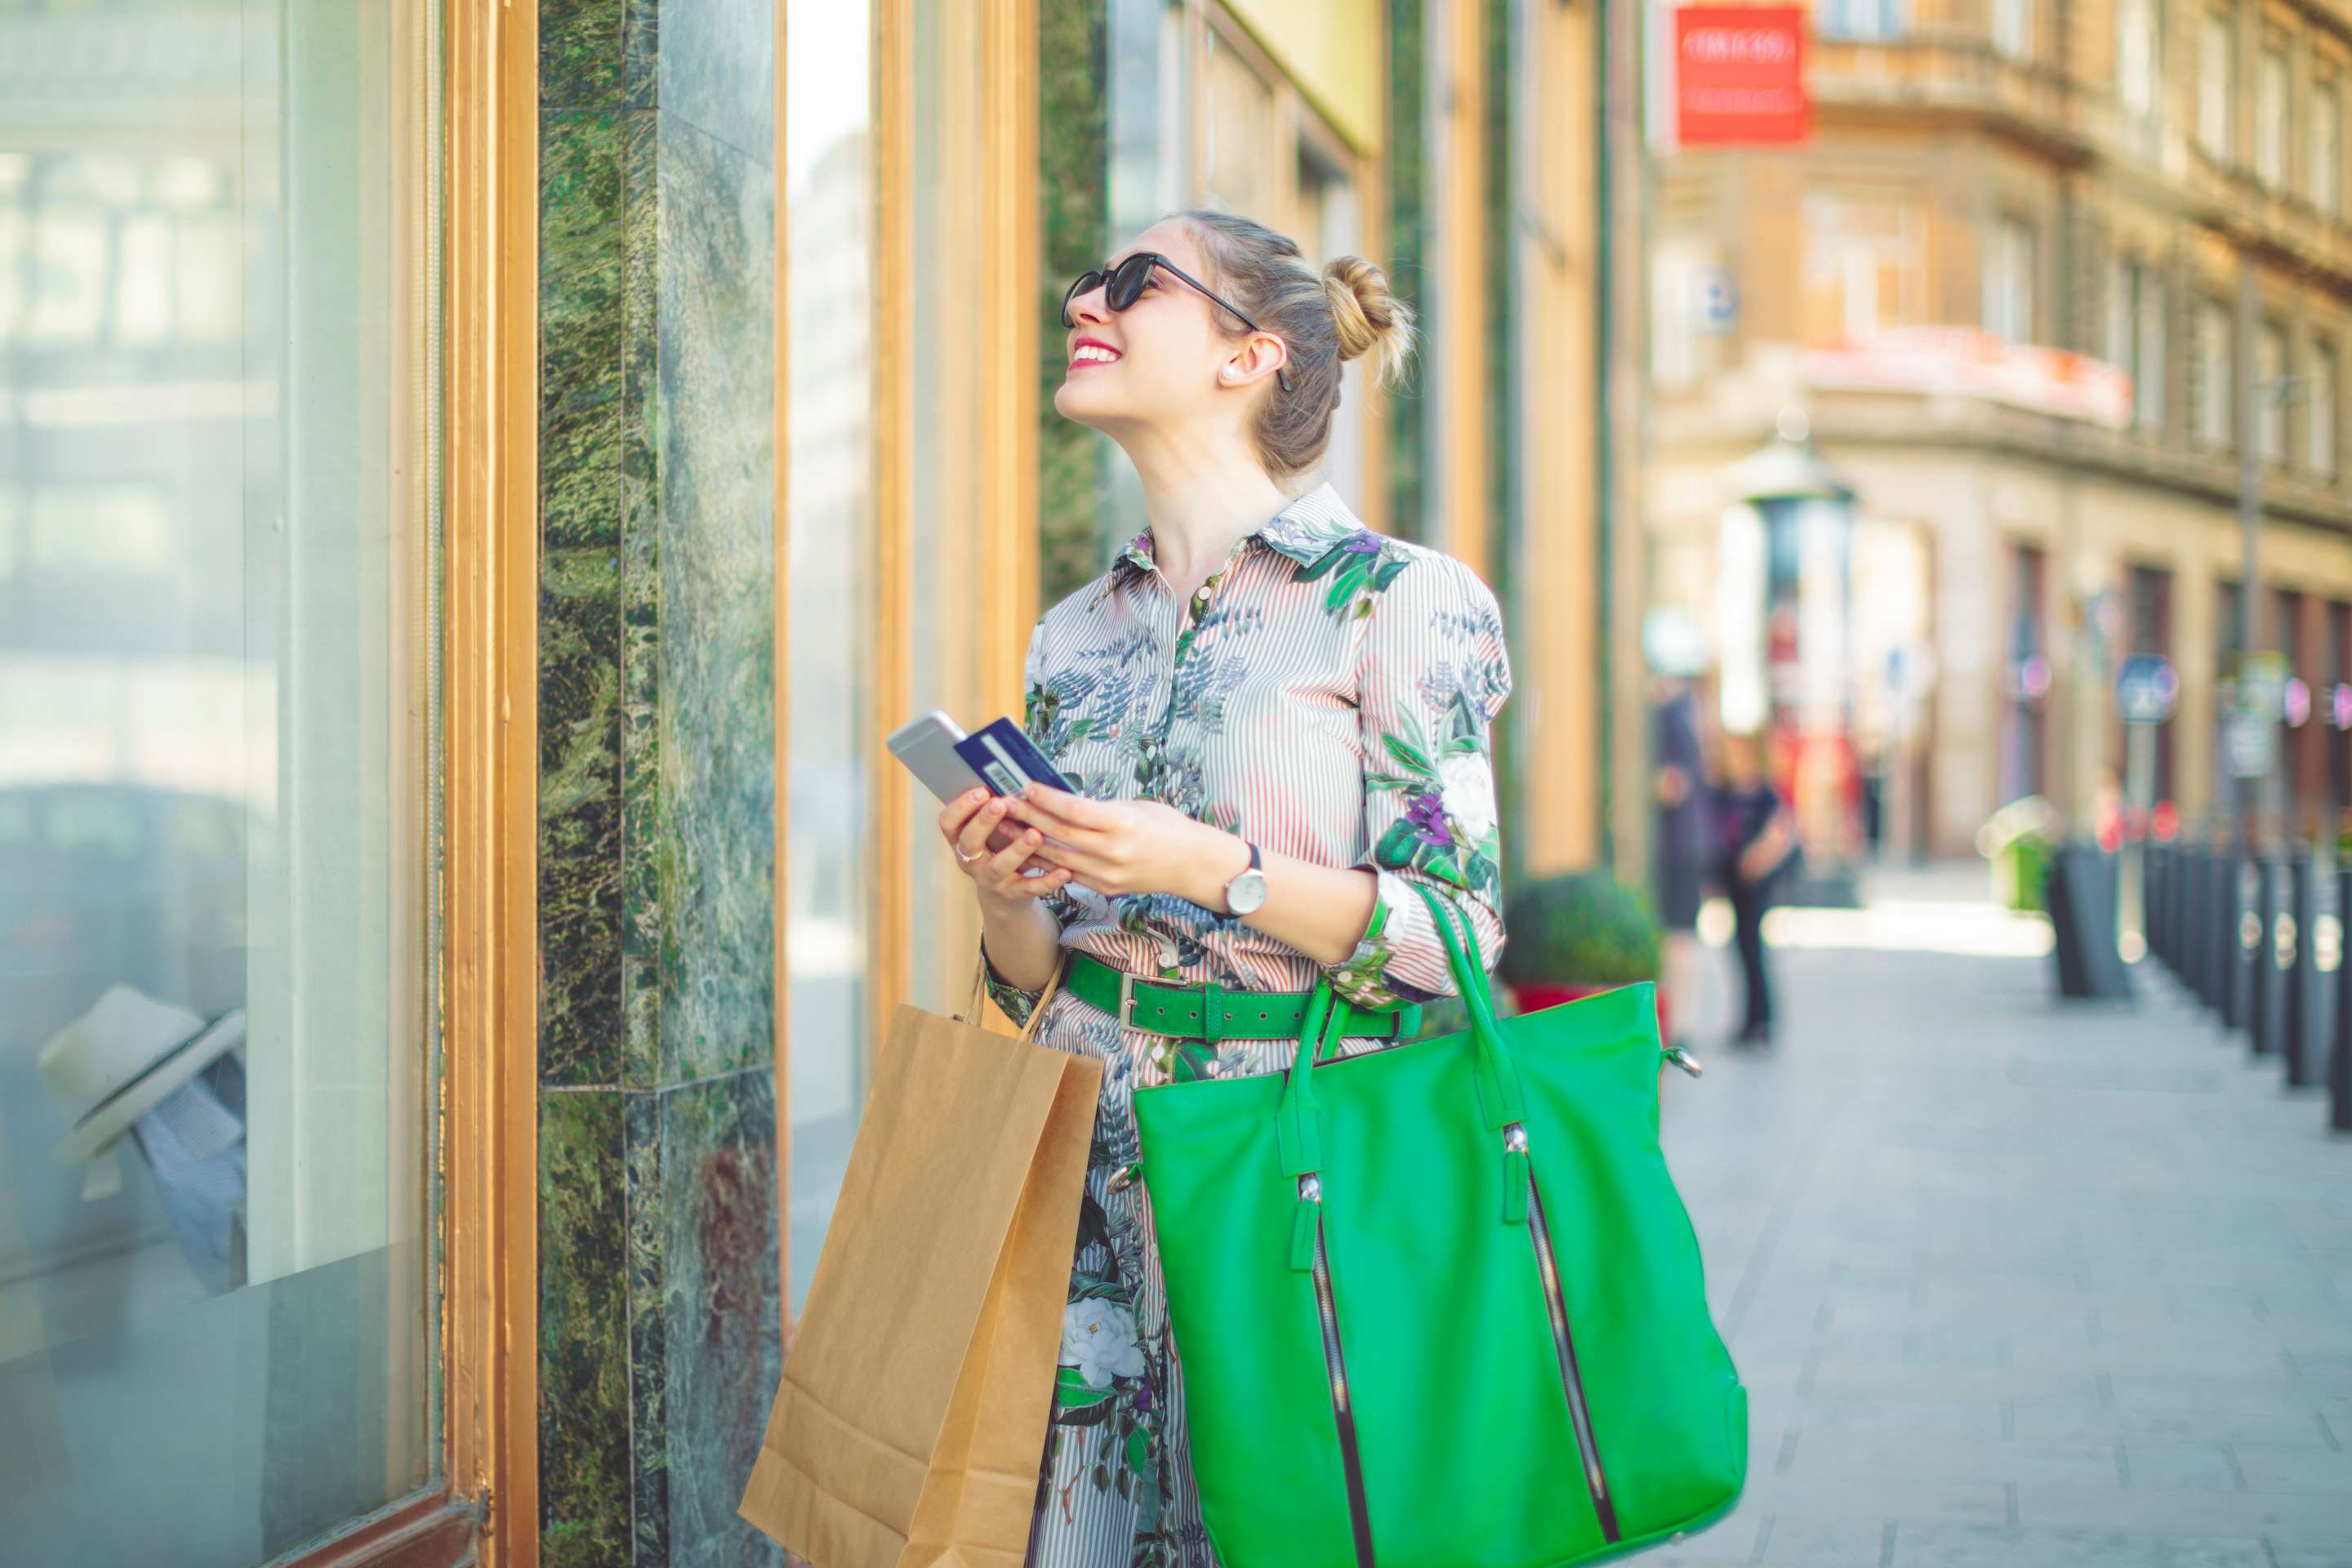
214,673
829,269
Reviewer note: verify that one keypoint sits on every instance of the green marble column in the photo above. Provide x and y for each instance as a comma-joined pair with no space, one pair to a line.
660,1328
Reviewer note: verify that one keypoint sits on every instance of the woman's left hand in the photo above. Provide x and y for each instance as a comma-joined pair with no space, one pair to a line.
1131,845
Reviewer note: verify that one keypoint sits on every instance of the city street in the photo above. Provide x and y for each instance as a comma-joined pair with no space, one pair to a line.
2012,1283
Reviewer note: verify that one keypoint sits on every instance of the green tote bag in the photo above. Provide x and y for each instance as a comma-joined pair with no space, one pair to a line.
1441,1306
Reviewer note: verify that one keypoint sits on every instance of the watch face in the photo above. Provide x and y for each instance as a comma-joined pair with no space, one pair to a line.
1246,892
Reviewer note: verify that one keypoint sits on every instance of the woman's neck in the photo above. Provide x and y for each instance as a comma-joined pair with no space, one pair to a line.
1199,504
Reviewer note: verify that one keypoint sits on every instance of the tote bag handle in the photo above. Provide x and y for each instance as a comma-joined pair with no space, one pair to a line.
1502,1099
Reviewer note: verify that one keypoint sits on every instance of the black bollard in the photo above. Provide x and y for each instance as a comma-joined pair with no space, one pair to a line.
2339,1055
2198,924
2298,1015
2262,962
2235,977
2159,903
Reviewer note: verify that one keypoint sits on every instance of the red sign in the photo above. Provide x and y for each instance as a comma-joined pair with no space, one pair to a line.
1739,75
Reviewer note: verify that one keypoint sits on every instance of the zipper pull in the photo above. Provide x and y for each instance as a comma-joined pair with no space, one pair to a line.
1517,1178
1303,1221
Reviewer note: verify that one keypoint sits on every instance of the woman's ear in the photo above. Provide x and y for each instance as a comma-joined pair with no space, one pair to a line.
1262,356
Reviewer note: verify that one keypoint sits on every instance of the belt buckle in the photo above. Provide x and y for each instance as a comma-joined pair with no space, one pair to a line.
1126,1001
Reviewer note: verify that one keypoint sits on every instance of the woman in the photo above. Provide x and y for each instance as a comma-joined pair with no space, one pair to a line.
1276,720
1756,842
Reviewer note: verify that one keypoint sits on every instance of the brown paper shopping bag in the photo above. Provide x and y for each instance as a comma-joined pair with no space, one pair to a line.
912,1415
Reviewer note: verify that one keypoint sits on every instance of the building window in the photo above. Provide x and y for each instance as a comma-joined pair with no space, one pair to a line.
2216,397
2319,404
2270,400
2136,53
2217,97
2009,281
2326,176
2151,633
2336,667
220,781
1860,18
2270,121
1696,305
2012,28
1860,272
2136,336
1239,137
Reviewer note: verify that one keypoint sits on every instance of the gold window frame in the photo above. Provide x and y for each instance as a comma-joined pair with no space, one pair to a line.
488,1092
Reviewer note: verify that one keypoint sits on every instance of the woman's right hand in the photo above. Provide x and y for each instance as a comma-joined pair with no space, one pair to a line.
974,824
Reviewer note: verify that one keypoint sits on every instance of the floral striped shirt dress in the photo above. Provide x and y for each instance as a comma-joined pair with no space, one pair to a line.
1327,695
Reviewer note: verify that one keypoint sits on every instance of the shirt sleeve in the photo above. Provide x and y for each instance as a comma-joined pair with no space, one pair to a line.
1039,711
1432,674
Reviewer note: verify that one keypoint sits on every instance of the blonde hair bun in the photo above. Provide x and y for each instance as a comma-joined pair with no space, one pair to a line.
1371,320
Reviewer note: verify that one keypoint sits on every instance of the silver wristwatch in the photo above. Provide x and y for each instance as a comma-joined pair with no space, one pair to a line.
1246,894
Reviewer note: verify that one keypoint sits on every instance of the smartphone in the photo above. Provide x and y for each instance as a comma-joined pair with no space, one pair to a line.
928,746
1005,760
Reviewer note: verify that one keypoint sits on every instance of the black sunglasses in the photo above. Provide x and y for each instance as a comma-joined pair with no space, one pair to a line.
1123,285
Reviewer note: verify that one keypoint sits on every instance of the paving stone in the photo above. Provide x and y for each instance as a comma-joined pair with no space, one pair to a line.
2292,1555
2303,1515
1977,1546
2295,1469
2149,1467
2087,1464
2067,1425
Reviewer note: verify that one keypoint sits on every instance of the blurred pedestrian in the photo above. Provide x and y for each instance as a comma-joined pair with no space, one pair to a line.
1756,839
1684,847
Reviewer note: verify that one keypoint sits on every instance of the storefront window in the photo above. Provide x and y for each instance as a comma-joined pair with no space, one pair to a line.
829,751
1237,175
219,479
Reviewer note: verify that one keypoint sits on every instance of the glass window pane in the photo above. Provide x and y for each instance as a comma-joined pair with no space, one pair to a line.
2217,63
1240,176
2323,414
830,249
2270,144
218,530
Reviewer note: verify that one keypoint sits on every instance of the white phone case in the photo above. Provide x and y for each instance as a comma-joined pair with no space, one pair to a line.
927,745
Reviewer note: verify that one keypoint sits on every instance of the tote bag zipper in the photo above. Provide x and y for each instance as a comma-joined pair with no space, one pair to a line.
1335,1365
1580,1414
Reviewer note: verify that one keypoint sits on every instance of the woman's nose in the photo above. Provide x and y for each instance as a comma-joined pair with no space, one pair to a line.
1090,306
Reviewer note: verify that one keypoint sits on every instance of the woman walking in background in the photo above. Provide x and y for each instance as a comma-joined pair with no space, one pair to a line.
1755,838
1276,722
1684,847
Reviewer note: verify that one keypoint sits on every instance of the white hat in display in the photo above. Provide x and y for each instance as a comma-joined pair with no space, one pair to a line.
116,1062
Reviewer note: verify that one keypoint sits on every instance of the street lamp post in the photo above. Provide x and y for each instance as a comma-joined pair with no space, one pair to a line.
1785,617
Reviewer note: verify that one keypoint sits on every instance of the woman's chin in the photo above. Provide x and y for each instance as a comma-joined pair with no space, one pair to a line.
1075,401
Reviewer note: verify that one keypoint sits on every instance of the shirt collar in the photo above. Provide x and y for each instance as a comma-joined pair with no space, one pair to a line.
1305,530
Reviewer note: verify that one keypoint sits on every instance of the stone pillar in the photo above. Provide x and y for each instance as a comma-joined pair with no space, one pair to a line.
661,1334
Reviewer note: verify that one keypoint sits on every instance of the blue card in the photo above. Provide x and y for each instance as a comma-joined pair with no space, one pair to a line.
1004,759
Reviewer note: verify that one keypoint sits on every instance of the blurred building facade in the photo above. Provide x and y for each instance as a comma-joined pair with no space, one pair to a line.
1998,291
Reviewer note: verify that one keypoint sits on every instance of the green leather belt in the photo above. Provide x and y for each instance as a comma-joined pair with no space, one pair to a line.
1213,1013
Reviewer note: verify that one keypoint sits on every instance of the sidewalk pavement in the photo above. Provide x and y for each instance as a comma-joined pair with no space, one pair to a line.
2013,1283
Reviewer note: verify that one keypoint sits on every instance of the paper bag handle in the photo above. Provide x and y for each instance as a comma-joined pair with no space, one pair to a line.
971,1015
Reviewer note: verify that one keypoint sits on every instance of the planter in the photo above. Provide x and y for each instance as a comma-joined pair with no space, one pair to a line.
1535,998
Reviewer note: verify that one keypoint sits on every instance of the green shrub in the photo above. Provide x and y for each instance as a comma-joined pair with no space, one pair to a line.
1583,928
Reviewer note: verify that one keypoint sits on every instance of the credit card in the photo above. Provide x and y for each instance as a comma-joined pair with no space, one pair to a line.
1005,760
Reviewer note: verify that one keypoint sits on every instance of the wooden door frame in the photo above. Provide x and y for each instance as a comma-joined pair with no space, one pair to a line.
489,1148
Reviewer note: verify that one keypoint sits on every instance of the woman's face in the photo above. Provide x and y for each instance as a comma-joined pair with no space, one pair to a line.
1167,361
